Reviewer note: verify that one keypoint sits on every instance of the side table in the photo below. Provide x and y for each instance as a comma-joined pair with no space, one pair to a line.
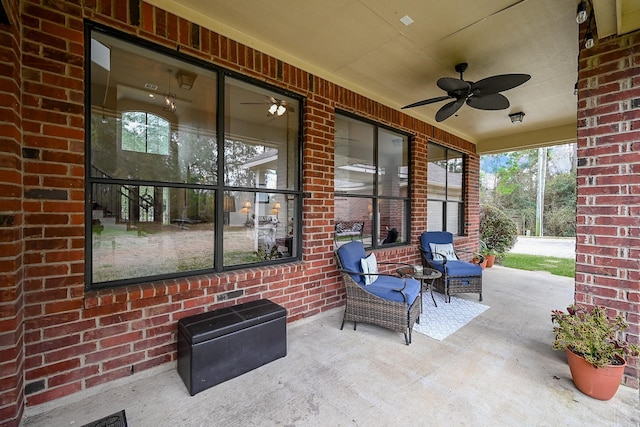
427,276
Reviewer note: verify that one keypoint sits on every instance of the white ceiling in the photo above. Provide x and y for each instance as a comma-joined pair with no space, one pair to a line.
363,45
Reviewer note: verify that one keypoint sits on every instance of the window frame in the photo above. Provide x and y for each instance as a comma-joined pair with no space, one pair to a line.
462,203
218,188
376,197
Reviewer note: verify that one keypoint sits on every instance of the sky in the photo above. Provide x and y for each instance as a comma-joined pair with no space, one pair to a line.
560,160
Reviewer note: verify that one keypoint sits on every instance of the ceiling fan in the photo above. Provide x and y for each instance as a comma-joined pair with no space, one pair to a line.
483,94
277,107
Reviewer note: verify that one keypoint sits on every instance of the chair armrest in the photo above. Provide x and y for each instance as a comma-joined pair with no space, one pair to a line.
359,273
423,252
473,253
401,290
395,263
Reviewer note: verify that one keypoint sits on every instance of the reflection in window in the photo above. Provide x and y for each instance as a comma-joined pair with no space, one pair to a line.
163,202
145,133
445,190
140,231
371,182
259,162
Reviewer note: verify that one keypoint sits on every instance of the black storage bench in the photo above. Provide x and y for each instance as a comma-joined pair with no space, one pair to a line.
222,344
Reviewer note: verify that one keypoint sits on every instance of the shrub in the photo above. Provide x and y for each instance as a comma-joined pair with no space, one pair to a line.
497,230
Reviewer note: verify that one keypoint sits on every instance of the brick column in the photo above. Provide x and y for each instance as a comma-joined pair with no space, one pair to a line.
608,212
11,247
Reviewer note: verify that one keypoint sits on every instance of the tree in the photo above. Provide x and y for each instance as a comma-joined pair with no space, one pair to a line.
560,205
509,182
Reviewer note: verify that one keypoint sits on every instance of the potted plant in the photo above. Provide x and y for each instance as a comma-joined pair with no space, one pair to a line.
489,256
596,354
478,257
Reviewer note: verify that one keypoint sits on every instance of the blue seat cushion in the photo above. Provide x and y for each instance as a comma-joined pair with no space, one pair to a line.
457,268
385,285
350,255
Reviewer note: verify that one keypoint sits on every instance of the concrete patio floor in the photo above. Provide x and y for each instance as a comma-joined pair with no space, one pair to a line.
499,370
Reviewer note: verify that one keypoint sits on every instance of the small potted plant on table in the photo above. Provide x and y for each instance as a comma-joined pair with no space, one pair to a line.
596,354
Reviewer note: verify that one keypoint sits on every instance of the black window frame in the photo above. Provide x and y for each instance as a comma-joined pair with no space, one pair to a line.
218,187
376,197
462,204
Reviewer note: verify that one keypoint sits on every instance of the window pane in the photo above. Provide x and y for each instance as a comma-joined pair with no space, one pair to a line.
133,135
258,227
393,163
453,217
355,168
260,145
445,189
437,173
455,176
391,220
150,230
435,210
353,214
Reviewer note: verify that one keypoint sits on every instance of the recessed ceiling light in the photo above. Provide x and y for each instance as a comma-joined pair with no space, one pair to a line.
406,20
151,95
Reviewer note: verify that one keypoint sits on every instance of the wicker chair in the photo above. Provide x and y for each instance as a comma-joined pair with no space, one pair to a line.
391,301
457,276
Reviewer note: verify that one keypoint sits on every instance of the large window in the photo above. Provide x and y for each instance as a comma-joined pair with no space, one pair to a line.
169,200
445,190
371,183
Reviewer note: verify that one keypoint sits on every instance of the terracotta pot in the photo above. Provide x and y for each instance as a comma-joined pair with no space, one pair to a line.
491,259
599,383
482,264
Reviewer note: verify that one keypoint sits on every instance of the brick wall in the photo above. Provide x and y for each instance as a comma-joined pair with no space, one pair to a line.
608,217
73,339
11,270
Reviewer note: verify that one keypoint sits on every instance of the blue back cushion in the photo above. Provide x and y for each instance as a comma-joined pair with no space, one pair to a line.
350,255
434,237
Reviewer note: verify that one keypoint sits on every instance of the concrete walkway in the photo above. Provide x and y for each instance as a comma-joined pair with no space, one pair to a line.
499,370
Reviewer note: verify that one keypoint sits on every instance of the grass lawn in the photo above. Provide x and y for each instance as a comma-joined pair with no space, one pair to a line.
558,266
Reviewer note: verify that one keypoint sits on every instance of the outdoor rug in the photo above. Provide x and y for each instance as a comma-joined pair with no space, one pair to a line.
440,322
118,419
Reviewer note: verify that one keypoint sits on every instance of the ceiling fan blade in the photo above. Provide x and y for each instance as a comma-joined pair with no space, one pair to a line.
449,109
426,101
492,101
450,84
499,83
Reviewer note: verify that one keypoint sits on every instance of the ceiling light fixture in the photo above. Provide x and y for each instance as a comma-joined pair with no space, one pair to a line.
588,40
581,15
169,98
185,79
169,102
277,109
406,20
516,117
